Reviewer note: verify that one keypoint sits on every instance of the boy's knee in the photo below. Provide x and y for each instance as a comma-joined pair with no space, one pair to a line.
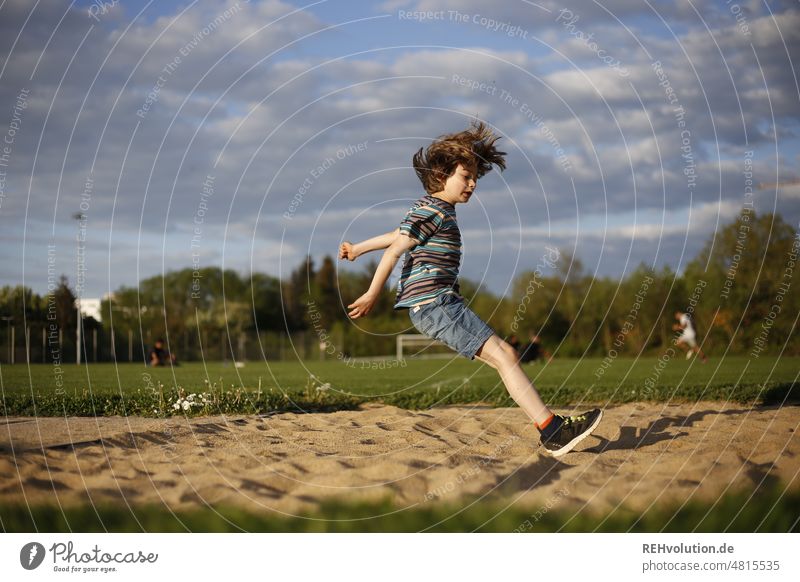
507,354
498,353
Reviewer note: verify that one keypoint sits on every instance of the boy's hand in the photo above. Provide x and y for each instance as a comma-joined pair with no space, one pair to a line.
346,251
362,306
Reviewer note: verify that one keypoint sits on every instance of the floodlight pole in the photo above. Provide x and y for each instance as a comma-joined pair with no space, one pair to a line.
78,331
78,217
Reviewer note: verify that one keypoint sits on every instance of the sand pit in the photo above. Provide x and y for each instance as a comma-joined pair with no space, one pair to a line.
640,454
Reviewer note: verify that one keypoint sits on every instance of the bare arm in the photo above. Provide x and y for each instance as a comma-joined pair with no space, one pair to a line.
352,251
363,305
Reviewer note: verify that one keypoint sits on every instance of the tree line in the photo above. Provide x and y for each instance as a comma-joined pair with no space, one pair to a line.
740,290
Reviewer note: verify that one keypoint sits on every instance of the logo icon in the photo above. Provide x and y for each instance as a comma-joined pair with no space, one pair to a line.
31,555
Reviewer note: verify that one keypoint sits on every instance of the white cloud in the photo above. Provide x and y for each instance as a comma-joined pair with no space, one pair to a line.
396,100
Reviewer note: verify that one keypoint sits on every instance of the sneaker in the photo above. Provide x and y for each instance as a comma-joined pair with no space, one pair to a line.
689,354
570,431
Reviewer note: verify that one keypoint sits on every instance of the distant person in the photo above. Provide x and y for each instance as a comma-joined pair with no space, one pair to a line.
688,338
160,356
534,350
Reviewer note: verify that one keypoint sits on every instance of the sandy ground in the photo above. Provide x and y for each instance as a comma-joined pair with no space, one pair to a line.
640,454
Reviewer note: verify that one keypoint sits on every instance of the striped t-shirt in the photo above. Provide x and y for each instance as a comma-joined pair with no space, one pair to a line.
431,267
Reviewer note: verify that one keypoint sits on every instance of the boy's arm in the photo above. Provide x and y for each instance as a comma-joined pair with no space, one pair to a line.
352,251
363,305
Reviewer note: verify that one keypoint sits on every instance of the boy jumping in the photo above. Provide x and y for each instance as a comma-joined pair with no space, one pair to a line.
429,236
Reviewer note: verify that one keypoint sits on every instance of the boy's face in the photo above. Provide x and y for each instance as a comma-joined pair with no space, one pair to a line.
458,188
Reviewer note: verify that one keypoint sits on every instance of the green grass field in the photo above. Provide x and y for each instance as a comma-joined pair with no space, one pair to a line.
769,511
103,389
132,389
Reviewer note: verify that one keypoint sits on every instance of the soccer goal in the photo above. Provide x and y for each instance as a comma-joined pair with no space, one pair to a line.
420,346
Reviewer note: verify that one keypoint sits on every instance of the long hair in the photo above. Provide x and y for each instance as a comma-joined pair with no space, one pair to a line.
475,145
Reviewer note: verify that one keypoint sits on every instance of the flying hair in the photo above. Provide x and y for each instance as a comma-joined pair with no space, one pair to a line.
475,145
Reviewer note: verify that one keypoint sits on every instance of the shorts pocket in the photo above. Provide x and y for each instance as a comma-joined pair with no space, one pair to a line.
418,320
421,321
452,307
433,322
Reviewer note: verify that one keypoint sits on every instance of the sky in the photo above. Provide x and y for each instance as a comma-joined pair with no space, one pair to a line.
144,137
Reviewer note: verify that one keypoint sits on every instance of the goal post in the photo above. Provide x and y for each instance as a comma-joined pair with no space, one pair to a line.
405,340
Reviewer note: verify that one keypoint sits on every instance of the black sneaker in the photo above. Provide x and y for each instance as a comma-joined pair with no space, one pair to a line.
571,431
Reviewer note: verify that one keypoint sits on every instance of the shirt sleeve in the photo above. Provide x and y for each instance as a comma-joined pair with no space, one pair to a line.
421,223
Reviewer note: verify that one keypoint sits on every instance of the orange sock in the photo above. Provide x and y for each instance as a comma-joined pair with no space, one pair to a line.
546,422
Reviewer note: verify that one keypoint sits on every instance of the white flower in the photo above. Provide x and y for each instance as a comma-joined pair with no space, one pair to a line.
324,387
176,406
186,405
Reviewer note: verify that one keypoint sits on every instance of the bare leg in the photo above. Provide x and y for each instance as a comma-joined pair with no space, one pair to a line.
503,358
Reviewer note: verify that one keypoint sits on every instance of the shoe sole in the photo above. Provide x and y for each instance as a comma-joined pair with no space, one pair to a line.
574,442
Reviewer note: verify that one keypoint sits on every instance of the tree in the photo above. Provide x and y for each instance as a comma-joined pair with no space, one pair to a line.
66,310
326,294
744,266
265,295
296,293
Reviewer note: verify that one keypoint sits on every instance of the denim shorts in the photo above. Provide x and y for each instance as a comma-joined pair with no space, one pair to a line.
450,321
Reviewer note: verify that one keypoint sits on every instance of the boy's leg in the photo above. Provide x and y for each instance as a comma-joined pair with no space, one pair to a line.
452,323
501,356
